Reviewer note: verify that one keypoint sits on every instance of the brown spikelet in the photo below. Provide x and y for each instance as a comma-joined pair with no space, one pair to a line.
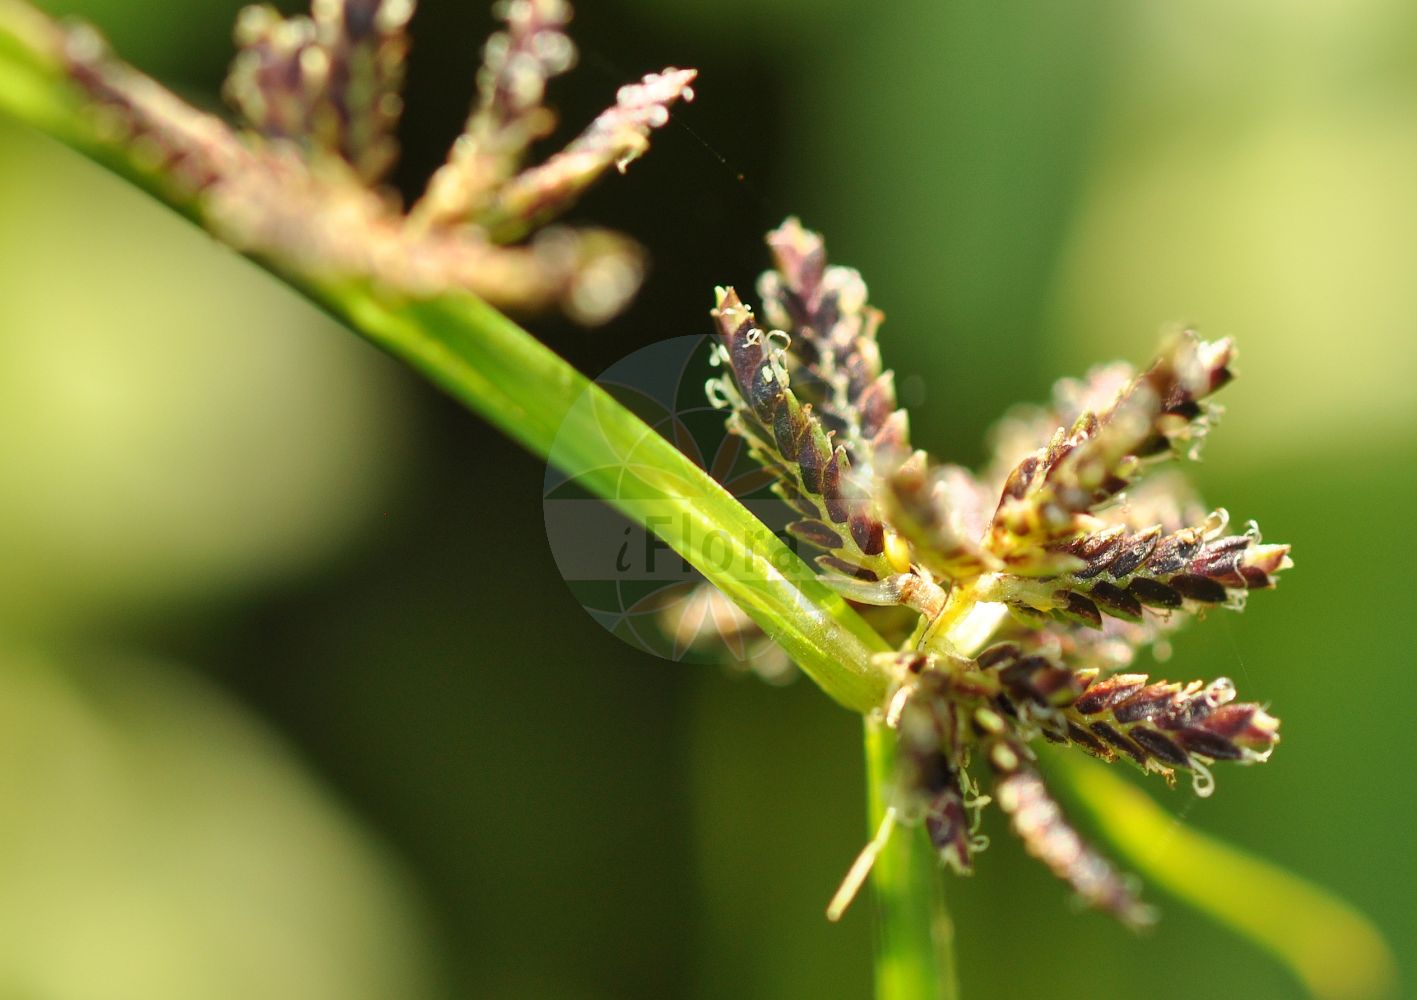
1048,494
948,706
699,617
329,83
367,43
483,183
1158,725
1039,822
815,475
930,780
272,82
510,114
616,138
835,362
1176,725
193,151
1025,429
1119,573
943,512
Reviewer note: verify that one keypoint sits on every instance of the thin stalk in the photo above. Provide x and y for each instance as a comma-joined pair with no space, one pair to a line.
518,384
915,937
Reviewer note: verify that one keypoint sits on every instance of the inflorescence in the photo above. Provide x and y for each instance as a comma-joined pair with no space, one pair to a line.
1033,583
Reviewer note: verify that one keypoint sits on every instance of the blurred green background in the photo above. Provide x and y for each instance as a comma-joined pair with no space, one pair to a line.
292,701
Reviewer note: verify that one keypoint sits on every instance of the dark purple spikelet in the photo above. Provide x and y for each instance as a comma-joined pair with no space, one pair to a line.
1032,584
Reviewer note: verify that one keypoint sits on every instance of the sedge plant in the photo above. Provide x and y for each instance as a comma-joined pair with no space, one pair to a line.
967,617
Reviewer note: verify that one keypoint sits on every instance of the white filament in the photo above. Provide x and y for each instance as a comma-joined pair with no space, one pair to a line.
860,868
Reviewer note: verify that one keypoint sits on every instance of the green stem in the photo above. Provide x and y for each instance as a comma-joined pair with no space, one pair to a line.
915,947
505,375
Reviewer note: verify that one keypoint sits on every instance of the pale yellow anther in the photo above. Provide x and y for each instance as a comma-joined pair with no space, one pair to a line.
897,552
989,720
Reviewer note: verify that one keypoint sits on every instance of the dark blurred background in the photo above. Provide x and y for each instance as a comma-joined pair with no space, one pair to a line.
295,705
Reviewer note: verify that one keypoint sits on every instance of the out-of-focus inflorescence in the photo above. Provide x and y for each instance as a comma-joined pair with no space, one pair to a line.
303,182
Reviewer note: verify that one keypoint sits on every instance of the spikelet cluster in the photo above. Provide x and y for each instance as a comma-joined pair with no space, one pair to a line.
1030,585
321,96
